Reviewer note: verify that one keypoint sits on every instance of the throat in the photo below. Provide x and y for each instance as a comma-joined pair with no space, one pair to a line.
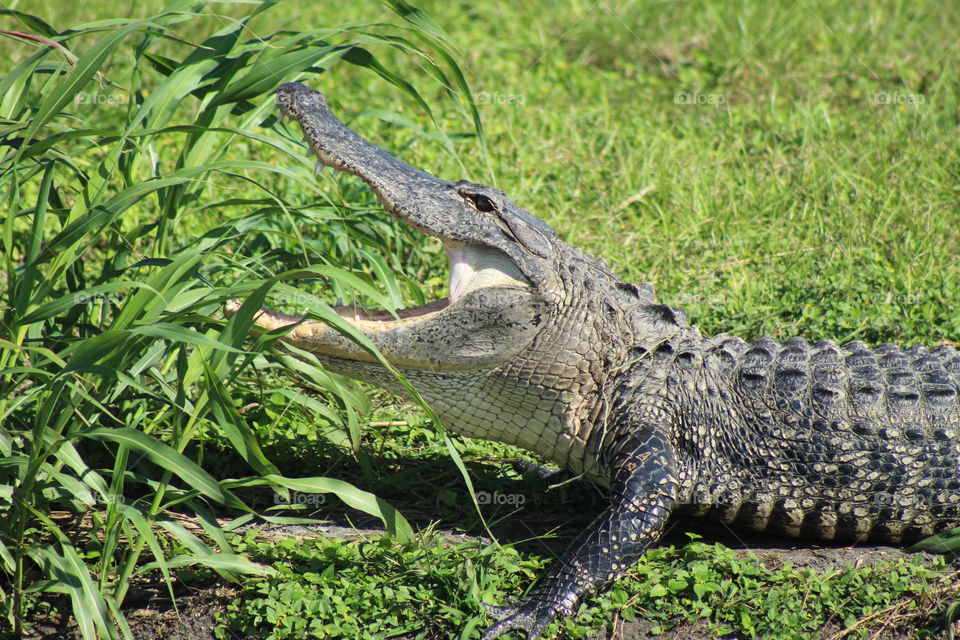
473,267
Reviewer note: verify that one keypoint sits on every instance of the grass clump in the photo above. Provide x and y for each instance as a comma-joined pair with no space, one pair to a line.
372,588
736,593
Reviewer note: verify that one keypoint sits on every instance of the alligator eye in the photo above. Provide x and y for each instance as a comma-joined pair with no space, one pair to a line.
480,203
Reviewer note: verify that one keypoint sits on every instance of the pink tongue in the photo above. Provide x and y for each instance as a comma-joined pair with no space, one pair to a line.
460,271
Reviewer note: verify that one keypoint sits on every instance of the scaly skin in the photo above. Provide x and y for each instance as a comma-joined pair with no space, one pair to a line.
542,346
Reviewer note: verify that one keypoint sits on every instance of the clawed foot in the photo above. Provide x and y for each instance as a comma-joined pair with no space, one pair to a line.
532,617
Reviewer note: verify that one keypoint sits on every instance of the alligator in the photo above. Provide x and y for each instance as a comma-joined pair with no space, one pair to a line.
544,347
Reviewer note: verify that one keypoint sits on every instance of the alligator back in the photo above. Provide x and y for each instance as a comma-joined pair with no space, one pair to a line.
826,441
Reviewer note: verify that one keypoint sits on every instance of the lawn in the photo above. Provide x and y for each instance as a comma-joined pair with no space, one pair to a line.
782,168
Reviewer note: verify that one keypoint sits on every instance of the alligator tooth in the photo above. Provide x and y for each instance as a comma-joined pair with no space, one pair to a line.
317,168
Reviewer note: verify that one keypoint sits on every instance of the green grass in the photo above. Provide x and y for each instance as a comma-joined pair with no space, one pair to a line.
773,168
430,588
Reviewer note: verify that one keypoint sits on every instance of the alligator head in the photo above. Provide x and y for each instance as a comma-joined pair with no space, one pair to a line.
516,350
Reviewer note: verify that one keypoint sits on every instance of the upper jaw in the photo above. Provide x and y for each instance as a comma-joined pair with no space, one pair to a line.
402,189
429,204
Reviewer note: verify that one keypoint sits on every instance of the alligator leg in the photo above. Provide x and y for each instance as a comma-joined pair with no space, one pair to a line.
642,489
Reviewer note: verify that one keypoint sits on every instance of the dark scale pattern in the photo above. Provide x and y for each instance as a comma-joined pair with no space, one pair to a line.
826,441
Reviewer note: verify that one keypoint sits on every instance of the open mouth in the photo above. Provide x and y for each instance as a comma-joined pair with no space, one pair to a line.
491,310
471,268
461,331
